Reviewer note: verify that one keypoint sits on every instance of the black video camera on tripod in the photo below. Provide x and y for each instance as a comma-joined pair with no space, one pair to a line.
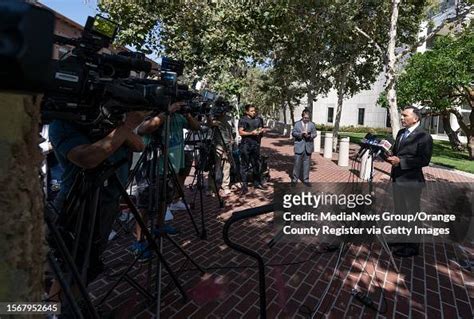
92,88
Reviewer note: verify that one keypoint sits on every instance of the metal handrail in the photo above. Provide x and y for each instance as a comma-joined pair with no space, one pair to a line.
238,216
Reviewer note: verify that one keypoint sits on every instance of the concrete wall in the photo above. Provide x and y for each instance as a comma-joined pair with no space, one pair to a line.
375,116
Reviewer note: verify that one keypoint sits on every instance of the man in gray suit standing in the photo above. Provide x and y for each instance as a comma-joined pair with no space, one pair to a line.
304,133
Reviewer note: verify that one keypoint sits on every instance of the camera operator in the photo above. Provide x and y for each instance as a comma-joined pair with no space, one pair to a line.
222,140
251,131
154,125
76,151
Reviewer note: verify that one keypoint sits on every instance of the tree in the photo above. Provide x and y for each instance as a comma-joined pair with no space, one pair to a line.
355,62
410,46
442,80
214,39
320,45
21,230
391,63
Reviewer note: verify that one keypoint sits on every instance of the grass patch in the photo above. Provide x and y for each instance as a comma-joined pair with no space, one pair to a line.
442,153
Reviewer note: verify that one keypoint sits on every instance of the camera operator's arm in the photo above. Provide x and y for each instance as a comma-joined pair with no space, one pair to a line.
151,125
192,122
210,121
91,155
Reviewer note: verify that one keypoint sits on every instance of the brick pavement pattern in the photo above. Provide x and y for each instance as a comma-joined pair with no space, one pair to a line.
431,285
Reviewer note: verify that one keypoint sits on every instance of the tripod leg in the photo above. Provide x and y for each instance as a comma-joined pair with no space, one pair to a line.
64,286
92,212
63,250
122,276
149,238
221,202
185,254
201,206
159,272
181,193
385,247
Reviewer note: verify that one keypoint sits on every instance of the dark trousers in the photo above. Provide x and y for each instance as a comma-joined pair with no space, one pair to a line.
305,160
406,198
250,155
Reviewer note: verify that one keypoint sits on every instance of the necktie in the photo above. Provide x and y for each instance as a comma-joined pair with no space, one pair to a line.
405,135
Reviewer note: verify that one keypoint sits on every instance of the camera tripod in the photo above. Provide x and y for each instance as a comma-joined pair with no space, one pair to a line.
158,199
55,239
80,220
345,244
147,167
206,154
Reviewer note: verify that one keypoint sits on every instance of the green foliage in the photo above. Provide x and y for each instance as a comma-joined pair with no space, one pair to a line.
442,77
355,129
296,46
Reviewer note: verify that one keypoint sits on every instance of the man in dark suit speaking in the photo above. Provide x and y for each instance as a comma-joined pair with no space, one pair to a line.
411,152
304,133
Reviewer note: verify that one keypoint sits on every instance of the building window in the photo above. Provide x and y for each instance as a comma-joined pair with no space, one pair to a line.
330,114
360,118
387,121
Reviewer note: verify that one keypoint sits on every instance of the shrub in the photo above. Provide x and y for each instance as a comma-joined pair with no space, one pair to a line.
355,129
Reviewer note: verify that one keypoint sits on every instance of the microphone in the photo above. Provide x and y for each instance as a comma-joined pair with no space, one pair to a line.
385,149
363,144
369,141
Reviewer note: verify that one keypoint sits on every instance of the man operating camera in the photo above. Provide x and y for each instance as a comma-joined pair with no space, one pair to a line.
222,141
76,151
153,128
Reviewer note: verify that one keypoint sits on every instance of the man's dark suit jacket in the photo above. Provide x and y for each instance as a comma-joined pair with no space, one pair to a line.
414,153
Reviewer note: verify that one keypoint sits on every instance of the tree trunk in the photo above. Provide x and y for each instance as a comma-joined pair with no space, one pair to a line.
283,107
470,133
467,129
310,99
21,230
452,135
341,89
292,112
312,88
470,146
391,92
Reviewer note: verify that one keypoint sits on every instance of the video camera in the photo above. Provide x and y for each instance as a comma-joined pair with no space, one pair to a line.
92,87
86,85
206,103
215,104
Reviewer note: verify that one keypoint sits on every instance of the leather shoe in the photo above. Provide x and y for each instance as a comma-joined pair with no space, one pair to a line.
244,191
307,184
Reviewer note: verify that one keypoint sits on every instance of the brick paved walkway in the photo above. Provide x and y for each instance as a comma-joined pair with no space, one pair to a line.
431,285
